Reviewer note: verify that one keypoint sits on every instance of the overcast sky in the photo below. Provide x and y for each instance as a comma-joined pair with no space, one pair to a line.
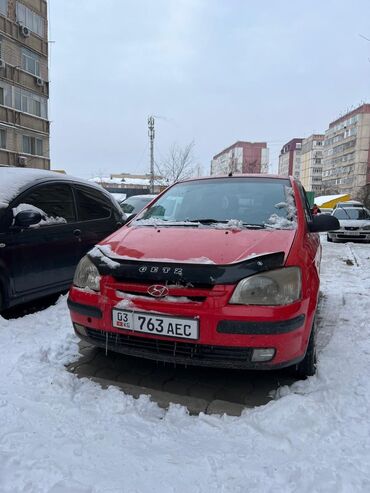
214,71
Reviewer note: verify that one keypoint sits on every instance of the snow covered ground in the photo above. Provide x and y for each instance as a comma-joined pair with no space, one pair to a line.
61,434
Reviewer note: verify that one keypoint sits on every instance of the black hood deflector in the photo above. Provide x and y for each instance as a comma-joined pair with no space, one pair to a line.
185,274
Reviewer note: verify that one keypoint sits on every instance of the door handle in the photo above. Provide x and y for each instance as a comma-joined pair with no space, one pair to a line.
77,233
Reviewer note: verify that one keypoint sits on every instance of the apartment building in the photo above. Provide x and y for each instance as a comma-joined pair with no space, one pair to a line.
24,86
311,163
346,162
290,158
241,157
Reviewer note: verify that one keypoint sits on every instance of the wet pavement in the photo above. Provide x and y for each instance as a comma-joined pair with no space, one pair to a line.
207,390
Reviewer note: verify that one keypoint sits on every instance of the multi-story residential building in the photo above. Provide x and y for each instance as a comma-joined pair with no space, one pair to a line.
241,157
346,163
311,162
290,158
24,87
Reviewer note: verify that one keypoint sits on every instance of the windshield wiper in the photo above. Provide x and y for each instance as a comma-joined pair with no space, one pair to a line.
254,226
219,221
206,221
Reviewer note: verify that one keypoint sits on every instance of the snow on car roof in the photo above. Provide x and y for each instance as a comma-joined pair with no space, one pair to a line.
12,180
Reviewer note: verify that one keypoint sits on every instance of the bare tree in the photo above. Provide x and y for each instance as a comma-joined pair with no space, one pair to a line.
179,164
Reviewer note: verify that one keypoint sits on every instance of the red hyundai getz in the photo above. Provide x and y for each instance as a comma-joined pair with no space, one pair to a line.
220,271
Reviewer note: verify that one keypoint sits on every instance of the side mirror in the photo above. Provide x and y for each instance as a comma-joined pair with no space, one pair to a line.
129,218
323,222
27,218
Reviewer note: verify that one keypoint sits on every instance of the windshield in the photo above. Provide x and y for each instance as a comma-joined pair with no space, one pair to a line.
135,204
247,201
351,213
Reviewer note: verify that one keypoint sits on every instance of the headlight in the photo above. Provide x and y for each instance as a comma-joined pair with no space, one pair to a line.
367,227
87,275
275,287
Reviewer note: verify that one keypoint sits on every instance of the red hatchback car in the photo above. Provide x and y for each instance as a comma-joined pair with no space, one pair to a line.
220,271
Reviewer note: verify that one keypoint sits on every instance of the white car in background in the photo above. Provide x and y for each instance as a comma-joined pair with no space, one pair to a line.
348,203
354,224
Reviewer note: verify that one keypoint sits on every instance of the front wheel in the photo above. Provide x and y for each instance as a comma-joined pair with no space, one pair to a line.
307,367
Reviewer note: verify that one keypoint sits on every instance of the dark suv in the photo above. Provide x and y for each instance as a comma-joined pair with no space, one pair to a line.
48,221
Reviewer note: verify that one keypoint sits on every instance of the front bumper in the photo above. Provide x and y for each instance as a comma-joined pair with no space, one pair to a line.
350,235
227,337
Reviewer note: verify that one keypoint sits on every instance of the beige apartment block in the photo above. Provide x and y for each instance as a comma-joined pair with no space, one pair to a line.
346,164
311,163
24,86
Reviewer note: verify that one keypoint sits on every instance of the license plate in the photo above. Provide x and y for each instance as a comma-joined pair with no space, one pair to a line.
352,233
155,324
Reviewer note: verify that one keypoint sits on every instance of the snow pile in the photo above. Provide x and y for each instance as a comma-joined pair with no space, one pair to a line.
166,299
290,220
62,434
98,253
232,224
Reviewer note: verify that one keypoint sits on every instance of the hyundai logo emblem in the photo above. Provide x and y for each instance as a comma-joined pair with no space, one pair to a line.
158,291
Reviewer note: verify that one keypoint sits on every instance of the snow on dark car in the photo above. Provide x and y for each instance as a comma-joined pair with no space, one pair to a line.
220,271
48,221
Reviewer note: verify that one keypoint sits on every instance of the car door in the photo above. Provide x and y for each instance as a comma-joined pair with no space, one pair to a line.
97,216
42,258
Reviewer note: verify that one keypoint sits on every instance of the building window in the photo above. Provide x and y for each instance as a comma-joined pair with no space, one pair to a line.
2,139
30,62
30,19
5,94
4,7
31,145
30,103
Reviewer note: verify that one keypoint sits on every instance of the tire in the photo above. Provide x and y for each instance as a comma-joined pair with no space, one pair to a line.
307,367
329,239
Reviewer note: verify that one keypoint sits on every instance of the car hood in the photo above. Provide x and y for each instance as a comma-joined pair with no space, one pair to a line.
195,245
354,223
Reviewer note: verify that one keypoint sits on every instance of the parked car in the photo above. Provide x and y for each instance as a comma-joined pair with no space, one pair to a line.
48,221
133,205
220,271
354,224
348,203
326,210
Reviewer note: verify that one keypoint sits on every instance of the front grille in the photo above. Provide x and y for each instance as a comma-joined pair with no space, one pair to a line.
351,228
182,352
182,285
351,237
143,294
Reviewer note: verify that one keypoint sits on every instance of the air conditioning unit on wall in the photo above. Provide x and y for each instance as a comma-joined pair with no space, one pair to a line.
24,31
39,82
21,161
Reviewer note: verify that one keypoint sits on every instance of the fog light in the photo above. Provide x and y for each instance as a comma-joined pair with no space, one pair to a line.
80,329
265,354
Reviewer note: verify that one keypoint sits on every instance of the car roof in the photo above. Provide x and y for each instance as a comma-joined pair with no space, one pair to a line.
260,176
14,180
